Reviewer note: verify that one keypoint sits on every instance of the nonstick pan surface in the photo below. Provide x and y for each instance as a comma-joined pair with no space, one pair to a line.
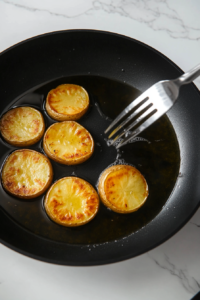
114,69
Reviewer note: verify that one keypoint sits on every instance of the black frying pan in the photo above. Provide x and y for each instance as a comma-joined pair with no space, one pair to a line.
114,69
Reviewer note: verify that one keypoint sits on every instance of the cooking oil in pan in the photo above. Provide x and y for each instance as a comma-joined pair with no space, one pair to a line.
155,154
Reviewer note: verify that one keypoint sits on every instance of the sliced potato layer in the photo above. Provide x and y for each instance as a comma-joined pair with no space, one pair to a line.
122,188
67,102
22,126
71,201
68,143
26,174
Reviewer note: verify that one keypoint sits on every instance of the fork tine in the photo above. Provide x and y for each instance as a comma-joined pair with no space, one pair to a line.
141,128
127,110
134,114
139,119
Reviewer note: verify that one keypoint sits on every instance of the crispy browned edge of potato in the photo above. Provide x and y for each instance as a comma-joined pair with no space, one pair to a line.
44,188
29,142
69,162
102,192
63,117
51,216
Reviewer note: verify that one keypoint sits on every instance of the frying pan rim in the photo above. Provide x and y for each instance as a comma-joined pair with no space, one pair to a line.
109,260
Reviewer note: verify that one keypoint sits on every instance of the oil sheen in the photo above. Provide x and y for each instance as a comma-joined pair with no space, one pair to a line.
155,153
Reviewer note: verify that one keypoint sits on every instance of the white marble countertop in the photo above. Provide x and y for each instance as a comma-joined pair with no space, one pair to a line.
172,270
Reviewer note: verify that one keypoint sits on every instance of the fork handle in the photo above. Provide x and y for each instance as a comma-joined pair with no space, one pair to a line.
189,76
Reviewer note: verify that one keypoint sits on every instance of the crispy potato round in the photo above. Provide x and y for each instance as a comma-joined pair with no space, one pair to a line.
122,188
22,126
68,143
67,102
71,201
27,174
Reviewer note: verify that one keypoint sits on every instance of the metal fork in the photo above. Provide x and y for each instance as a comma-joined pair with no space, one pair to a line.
149,107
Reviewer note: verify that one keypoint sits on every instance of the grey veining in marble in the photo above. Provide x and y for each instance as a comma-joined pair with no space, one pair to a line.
190,284
170,271
156,14
197,225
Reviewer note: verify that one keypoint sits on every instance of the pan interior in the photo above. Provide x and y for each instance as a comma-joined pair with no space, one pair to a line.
155,154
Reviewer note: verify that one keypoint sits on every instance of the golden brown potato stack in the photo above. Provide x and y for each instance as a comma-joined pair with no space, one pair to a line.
26,174
22,126
122,188
67,102
68,143
71,201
